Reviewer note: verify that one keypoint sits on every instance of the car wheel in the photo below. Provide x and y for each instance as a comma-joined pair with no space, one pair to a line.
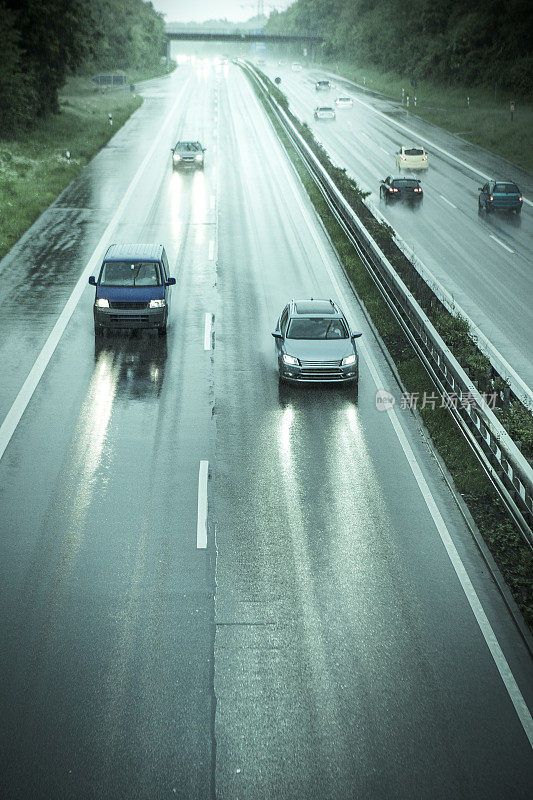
479,204
98,330
518,210
162,330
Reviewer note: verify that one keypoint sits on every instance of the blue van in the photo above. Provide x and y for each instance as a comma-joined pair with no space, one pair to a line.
133,288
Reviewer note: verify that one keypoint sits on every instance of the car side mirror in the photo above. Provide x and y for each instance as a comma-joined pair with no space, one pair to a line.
356,335
170,282
277,335
92,280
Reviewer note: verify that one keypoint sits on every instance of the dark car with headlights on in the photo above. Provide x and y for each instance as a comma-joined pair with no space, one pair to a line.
314,343
133,288
401,189
188,154
503,195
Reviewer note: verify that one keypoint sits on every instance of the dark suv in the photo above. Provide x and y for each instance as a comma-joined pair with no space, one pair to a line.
500,194
314,343
133,288
322,86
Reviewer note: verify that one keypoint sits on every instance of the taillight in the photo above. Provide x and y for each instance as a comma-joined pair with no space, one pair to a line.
491,197
402,158
424,158
520,199
418,190
392,189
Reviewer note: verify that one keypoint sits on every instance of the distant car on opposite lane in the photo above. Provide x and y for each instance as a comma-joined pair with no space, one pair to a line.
400,189
324,112
344,102
295,67
314,344
188,154
411,158
322,86
503,195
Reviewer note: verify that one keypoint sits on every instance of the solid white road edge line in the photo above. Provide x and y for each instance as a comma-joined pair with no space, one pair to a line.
485,627
16,411
501,243
207,332
211,250
201,522
430,143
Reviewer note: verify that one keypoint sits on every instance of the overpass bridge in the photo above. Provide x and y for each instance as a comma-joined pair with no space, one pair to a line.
176,34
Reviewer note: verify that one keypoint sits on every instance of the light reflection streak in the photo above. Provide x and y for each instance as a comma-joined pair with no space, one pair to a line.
357,505
301,528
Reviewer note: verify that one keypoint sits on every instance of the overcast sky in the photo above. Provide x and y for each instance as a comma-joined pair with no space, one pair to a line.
200,10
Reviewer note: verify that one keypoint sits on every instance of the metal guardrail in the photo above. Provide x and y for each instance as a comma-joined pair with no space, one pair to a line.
503,462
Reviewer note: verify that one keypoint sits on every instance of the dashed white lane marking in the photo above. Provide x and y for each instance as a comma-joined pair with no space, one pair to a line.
201,523
447,201
16,411
501,243
485,627
383,150
211,250
429,142
207,331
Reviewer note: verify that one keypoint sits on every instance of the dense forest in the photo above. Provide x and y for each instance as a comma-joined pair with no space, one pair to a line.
43,41
471,42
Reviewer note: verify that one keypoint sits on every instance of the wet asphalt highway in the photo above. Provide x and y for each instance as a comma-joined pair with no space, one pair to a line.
483,261
324,644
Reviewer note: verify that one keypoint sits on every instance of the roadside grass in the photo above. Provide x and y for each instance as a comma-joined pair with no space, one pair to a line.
513,558
34,167
476,114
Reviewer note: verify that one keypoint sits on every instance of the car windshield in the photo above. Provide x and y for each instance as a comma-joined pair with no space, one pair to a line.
405,183
325,108
316,328
188,146
414,151
130,273
506,188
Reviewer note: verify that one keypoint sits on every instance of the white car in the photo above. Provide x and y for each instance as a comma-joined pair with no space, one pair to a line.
324,112
344,102
295,67
411,158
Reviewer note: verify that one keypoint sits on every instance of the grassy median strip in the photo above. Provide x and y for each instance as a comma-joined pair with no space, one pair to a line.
513,557
36,167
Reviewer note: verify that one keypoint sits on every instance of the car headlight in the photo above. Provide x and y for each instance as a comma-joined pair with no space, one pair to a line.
199,157
157,303
176,157
290,360
101,302
349,360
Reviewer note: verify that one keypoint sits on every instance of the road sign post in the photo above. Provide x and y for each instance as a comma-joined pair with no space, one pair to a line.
511,107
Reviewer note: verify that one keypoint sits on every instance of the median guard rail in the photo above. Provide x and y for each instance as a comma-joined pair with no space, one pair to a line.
508,469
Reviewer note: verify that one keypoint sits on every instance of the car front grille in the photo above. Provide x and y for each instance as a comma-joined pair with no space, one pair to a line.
127,306
321,370
131,319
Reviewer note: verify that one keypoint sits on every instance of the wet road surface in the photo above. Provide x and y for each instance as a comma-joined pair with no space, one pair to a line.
483,261
324,643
